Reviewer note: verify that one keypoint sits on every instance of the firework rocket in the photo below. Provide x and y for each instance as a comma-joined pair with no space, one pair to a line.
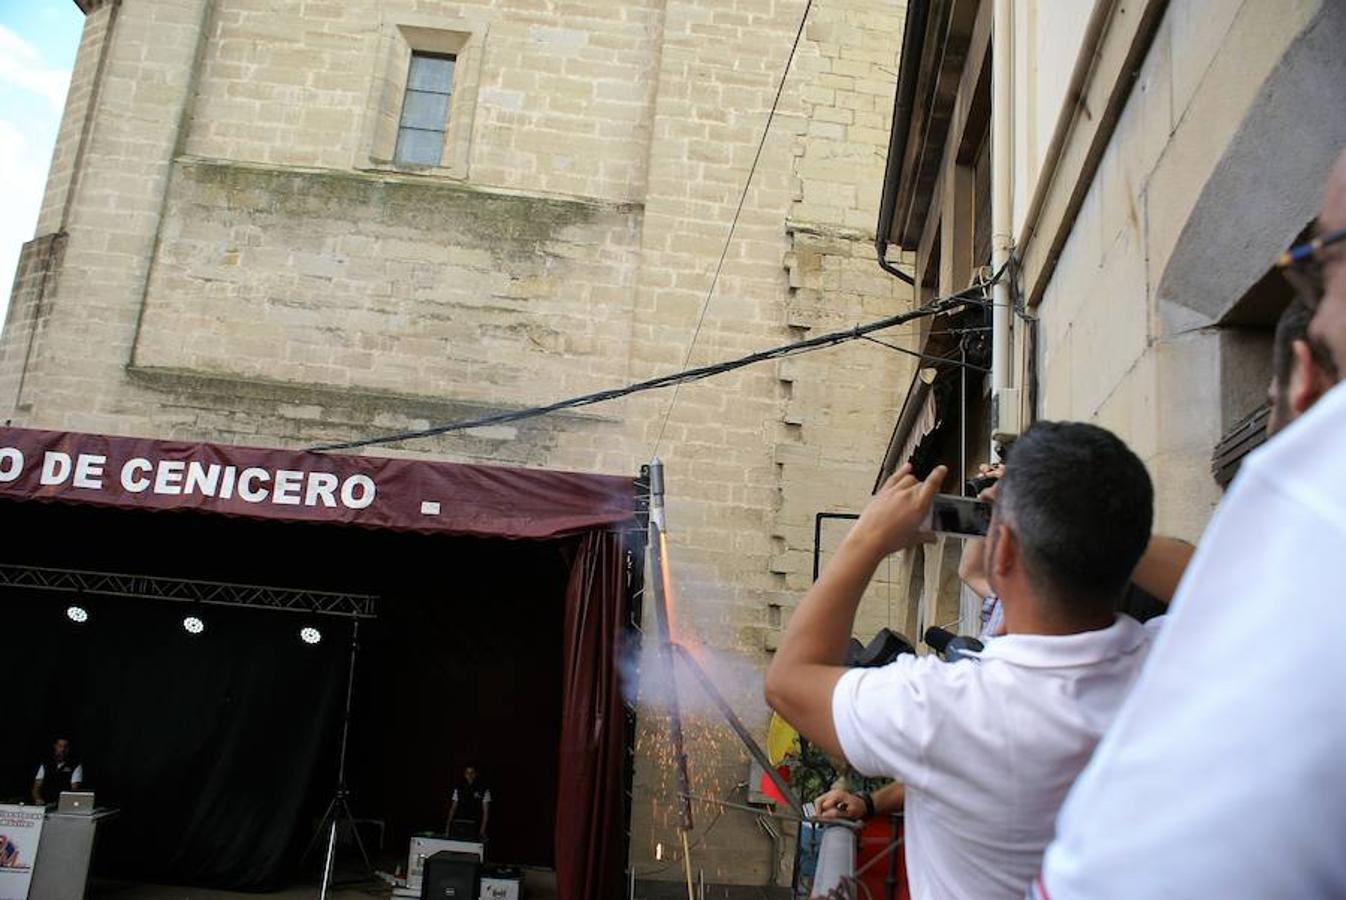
659,573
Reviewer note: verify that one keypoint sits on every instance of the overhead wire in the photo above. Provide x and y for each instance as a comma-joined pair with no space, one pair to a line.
733,224
946,360
831,339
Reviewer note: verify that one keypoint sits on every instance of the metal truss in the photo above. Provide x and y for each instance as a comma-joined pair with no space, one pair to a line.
185,590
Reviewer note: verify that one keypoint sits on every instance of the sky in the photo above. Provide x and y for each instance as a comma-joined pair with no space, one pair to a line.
38,40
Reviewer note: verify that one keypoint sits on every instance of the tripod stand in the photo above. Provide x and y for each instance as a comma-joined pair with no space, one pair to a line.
339,807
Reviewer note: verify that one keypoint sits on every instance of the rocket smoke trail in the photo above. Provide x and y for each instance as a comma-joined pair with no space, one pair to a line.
659,573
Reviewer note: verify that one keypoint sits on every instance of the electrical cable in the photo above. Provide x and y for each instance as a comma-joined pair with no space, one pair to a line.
733,224
948,361
830,339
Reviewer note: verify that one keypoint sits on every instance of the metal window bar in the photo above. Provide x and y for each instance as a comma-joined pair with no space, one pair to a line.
185,590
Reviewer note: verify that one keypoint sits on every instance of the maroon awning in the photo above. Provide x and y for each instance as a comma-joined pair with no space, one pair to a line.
376,492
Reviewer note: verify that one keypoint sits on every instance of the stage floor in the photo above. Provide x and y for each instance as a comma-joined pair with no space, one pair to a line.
539,884
162,892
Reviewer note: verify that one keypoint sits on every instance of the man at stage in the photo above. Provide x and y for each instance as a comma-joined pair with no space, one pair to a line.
59,773
470,808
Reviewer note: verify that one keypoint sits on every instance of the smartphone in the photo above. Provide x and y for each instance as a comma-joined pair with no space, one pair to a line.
959,516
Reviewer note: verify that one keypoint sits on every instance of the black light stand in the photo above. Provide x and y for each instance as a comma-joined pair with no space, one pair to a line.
339,807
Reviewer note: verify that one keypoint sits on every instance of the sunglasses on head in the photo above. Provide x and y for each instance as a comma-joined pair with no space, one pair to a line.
1302,265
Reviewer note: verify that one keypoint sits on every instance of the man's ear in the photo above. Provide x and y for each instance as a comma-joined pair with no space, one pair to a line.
1004,547
1308,382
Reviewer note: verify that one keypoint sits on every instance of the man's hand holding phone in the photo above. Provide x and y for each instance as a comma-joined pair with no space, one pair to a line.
894,518
989,475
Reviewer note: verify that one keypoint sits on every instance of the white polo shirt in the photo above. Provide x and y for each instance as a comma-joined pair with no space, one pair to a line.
987,747
1225,773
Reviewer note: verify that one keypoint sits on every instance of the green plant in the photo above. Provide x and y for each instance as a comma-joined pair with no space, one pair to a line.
812,774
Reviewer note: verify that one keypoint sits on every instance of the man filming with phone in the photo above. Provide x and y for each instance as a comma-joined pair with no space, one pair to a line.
1153,582
986,747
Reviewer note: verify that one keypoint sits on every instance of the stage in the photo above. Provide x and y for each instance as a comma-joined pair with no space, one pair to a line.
203,634
539,884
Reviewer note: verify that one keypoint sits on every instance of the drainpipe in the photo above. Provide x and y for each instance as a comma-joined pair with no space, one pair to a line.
913,38
1002,214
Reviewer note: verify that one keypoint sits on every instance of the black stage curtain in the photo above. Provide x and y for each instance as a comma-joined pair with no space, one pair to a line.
221,749
212,746
463,667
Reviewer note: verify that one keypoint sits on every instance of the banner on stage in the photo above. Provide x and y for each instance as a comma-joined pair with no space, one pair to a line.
290,485
20,830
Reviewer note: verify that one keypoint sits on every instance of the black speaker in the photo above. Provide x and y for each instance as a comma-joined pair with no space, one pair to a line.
449,875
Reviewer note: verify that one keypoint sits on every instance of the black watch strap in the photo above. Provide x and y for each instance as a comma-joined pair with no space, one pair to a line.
869,804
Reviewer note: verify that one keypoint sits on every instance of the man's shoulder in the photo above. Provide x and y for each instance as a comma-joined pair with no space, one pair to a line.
923,682
927,668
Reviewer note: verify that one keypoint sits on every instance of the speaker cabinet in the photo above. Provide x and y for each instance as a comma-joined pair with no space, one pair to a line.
450,875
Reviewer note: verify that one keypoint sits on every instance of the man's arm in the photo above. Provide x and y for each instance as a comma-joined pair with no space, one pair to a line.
890,798
485,813
972,567
77,778
1161,566
972,564
37,793
453,808
801,678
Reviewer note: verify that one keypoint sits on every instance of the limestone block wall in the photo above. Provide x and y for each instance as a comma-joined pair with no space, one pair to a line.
78,99
74,375
39,264
838,414
841,406
551,99
1114,350
377,285
240,264
719,68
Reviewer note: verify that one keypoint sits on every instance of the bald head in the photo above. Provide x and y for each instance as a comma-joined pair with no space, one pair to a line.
1329,323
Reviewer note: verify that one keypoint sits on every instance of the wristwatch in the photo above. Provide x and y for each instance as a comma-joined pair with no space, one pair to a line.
869,803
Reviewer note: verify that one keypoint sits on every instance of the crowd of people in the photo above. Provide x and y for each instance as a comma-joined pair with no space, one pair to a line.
1084,753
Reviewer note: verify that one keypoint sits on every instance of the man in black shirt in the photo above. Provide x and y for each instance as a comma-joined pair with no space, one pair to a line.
59,773
471,803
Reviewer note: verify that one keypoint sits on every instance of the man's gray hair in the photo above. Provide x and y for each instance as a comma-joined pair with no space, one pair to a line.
1082,506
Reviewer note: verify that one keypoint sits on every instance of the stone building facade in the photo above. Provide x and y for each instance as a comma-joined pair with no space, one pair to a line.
1162,154
230,250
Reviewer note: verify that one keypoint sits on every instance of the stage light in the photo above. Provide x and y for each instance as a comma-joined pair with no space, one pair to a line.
310,635
77,614
193,625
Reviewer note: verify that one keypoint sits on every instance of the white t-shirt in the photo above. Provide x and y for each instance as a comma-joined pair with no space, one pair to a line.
987,747
1225,773
76,777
